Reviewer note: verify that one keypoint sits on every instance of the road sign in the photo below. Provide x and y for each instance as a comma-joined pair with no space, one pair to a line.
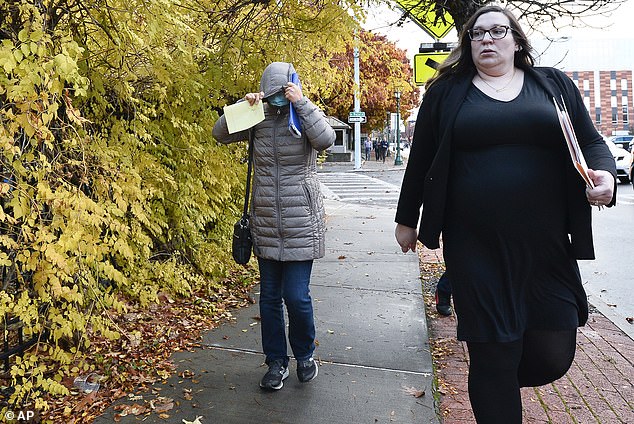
436,47
426,64
424,15
357,114
353,119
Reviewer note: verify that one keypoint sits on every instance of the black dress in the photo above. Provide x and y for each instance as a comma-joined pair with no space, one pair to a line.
504,237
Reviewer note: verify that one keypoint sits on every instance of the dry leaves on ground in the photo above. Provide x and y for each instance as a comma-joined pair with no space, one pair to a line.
142,355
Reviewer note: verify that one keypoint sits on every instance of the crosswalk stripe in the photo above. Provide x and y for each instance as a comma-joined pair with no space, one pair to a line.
345,186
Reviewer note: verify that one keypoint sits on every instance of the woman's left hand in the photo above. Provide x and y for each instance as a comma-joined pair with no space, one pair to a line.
603,190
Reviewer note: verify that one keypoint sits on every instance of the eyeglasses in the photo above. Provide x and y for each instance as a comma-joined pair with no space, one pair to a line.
496,33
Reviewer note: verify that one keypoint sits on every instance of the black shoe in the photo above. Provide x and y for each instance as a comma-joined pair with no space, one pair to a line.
275,376
307,370
443,303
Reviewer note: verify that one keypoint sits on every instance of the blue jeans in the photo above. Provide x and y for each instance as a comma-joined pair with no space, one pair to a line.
287,282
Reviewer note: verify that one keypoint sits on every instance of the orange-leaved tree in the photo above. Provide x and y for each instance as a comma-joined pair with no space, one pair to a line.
383,69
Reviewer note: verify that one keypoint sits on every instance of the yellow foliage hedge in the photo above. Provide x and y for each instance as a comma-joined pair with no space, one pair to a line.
111,185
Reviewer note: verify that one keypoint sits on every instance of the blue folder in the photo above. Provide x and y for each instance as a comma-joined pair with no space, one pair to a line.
294,125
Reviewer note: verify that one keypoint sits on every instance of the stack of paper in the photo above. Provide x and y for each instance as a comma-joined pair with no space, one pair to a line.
573,145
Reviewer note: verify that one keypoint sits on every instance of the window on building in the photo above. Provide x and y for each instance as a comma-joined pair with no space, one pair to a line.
615,116
626,118
338,138
597,113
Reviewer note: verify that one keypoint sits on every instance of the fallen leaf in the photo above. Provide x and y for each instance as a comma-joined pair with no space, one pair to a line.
159,409
87,400
134,409
164,297
414,392
186,374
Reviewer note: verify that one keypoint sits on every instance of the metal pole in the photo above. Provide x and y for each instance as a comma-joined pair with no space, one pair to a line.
357,125
397,158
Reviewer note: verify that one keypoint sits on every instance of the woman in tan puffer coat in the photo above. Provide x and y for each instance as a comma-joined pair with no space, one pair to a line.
287,217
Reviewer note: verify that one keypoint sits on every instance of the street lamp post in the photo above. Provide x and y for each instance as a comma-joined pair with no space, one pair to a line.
397,158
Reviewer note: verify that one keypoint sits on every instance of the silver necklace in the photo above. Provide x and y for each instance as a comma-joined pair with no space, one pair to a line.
497,90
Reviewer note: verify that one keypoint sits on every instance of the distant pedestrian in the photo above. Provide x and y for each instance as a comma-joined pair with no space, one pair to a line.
287,218
376,145
384,146
442,295
368,149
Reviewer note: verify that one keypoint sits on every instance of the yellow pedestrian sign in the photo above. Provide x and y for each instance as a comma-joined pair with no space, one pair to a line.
426,64
424,15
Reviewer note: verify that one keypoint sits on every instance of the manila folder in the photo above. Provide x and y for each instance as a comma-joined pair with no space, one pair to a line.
242,115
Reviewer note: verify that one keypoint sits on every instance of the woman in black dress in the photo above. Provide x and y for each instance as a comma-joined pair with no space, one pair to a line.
491,170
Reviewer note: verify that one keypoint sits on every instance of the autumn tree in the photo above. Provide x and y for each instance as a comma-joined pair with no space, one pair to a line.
383,68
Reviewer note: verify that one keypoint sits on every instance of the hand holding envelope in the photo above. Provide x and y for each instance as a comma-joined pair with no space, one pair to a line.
599,184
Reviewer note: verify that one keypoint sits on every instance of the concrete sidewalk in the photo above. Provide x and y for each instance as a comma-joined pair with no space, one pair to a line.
373,351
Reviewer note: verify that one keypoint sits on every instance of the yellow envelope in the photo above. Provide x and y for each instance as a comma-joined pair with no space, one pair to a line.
242,115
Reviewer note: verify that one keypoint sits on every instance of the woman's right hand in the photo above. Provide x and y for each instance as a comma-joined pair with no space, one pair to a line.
254,98
406,237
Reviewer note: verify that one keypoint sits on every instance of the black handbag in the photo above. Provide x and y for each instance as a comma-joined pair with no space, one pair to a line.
242,243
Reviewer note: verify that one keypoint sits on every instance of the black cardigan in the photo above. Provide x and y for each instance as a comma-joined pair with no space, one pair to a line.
427,172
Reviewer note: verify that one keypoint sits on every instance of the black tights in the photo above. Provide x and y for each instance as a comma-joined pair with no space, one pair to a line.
498,370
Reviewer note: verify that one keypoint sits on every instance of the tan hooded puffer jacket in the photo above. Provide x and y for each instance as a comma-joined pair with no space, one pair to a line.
287,211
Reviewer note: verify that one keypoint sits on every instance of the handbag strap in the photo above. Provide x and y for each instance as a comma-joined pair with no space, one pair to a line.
245,211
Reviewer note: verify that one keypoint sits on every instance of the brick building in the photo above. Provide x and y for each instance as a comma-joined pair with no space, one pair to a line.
609,99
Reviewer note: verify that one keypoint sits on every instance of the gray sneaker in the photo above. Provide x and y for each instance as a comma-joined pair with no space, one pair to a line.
307,370
275,376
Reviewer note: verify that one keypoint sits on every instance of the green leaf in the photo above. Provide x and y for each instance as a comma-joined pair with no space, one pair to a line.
23,35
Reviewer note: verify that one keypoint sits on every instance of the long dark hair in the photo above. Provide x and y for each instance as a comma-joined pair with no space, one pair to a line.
460,62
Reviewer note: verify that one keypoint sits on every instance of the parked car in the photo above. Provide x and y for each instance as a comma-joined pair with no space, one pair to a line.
623,160
624,141
632,169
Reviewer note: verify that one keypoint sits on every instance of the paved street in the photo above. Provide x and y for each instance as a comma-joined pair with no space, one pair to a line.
608,279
